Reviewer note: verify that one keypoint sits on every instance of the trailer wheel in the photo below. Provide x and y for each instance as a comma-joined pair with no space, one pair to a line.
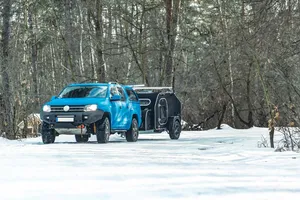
174,129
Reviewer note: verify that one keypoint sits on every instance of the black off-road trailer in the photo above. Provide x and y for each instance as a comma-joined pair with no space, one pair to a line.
161,110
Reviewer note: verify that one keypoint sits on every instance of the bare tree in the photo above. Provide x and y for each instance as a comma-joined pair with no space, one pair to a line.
7,96
172,14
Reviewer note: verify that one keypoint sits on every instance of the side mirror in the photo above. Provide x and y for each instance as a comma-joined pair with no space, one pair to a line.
116,97
53,97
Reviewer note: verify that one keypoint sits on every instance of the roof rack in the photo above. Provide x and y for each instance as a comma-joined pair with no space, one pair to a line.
112,82
169,89
139,85
87,81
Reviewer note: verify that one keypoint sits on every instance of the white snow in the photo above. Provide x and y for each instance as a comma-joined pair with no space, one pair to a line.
214,164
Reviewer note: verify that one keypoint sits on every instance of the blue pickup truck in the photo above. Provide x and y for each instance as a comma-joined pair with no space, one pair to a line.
100,109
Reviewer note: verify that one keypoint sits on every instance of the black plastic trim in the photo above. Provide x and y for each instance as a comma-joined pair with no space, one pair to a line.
79,118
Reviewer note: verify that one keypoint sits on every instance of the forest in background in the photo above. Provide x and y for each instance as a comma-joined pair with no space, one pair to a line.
229,61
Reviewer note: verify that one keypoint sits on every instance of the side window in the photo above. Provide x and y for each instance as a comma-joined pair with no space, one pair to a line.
113,91
121,93
132,96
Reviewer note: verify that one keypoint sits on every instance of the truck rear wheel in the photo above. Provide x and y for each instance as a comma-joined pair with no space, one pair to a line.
103,130
48,135
174,129
82,138
132,134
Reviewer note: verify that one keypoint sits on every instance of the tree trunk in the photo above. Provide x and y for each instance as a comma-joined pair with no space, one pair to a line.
222,116
81,21
250,112
33,54
109,39
161,61
228,53
92,50
172,11
69,48
99,38
272,136
53,67
142,46
6,81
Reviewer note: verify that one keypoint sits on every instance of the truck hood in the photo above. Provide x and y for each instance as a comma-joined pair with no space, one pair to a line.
75,101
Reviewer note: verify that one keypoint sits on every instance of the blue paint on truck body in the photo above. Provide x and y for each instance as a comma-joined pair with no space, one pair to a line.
87,103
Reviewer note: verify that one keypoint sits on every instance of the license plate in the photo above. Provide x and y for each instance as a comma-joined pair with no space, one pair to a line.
65,119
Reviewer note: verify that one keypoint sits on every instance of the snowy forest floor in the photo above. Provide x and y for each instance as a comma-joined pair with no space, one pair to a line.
225,164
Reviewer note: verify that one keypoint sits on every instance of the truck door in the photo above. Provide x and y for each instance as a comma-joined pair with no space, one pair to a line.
124,115
115,109
133,104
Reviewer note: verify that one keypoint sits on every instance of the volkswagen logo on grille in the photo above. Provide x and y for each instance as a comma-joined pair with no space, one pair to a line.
66,108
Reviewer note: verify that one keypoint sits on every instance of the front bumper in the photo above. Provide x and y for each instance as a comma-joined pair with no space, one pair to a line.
79,118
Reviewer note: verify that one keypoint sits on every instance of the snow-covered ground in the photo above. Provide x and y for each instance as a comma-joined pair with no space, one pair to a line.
214,164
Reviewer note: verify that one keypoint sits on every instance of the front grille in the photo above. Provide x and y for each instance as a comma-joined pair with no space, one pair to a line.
72,109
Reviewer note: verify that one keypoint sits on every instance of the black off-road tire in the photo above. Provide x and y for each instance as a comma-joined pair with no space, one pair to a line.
82,138
174,129
132,134
103,130
48,135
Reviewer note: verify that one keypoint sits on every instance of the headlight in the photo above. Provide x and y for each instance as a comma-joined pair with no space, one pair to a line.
92,107
46,108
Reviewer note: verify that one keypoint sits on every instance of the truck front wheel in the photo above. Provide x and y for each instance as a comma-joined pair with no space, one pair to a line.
103,130
48,135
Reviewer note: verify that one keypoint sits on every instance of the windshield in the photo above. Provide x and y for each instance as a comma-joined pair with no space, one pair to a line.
84,92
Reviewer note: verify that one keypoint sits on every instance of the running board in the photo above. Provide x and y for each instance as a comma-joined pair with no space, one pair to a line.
118,130
151,131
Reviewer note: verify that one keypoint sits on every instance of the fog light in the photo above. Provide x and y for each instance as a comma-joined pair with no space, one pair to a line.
85,117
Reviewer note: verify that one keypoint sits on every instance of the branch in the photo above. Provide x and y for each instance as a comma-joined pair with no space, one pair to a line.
230,97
